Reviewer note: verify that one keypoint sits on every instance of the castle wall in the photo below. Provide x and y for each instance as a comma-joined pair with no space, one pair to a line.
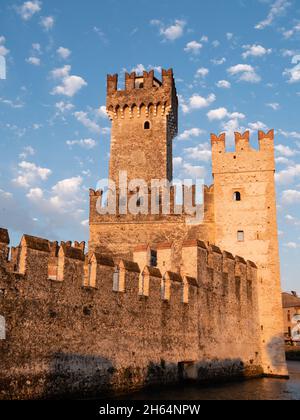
63,338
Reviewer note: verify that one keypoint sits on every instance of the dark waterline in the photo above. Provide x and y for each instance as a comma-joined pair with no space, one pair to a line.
255,389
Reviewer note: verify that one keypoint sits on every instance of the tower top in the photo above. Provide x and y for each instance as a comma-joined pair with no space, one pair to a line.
143,89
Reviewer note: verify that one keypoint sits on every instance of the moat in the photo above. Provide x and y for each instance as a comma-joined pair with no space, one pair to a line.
256,389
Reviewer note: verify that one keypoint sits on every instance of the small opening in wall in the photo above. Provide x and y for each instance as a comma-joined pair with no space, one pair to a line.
153,258
147,125
240,236
141,85
237,196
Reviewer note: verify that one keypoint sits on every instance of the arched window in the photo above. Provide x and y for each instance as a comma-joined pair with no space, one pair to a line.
146,125
237,196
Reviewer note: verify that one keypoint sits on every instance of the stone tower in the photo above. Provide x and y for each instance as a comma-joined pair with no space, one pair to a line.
245,224
144,123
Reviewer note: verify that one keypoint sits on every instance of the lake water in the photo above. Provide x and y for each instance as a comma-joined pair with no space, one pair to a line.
255,389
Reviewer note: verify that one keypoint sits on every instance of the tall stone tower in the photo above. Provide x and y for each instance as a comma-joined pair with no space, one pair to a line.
245,224
144,123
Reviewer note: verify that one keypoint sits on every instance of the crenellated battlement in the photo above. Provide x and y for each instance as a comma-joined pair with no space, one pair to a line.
242,141
244,157
57,262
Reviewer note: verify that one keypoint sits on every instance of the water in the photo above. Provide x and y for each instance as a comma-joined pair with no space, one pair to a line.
255,389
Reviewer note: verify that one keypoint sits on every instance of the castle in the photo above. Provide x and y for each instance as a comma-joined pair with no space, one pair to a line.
158,297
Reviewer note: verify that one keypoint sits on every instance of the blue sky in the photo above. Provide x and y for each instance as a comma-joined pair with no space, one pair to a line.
236,65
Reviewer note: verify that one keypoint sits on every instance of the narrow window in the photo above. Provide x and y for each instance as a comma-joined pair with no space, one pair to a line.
144,285
165,289
116,277
240,236
237,196
289,316
92,274
146,125
153,258
2,328
185,292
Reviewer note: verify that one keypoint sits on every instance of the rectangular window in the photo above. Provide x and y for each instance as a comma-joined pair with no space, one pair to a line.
240,236
153,258
116,281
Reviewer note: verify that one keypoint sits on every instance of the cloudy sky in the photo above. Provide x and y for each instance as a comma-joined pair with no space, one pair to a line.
237,67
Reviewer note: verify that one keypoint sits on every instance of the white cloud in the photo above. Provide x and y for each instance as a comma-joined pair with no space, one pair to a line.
171,32
85,143
276,10
83,118
291,196
37,47
215,43
285,151
202,152
65,192
255,50
27,151
35,61
290,32
28,9
29,174
202,72
196,102
35,194
101,112
221,113
293,73
258,125
292,134
282,160
3,50
12,104
229,36
291,245
217,114
64,106
288,175
70,84
47,22
193,47
63,52
218,62
223,84
85,223
245,73
139,69
274,105
193,171
192,132
177,161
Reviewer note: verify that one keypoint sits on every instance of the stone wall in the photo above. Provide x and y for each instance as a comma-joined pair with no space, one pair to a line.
73,335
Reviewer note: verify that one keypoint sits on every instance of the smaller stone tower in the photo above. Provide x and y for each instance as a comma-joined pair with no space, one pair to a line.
245,224
144,123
